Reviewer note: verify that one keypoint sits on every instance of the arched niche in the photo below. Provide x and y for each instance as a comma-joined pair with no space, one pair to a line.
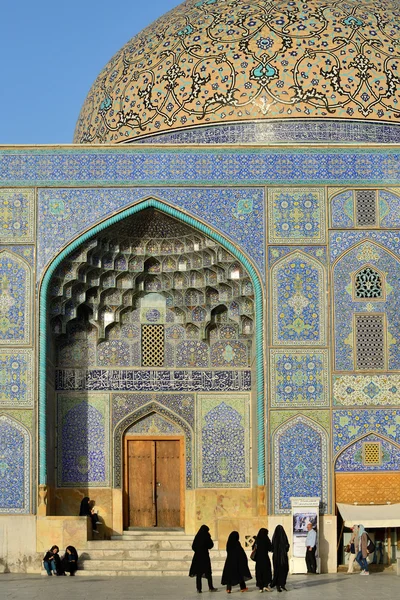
15,467
16,292
151,408
300,451
298,286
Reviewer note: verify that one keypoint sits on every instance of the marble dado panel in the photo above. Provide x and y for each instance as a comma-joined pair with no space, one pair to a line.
223,440
83,448
15,466
343,208
367,253
366,390
298,301
300,465
15,299
17,215
238,213
296,215
351,459
299,378
349,425
156,166
119,380
129,409
16,381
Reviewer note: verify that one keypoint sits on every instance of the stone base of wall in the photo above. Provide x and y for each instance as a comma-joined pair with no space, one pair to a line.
18,552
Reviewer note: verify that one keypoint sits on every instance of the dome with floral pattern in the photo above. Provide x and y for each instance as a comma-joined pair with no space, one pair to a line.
227,71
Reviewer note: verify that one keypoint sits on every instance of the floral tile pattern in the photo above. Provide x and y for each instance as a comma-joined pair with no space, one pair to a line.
17,222
351,459
300,448
349,425
16,381
296,215
366,390
299,378
298,296
83,440
15,476
223,440
15,302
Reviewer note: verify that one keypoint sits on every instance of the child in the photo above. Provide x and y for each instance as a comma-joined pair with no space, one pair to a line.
236,569
52,562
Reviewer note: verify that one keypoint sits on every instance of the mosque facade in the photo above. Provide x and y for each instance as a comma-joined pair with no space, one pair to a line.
199,314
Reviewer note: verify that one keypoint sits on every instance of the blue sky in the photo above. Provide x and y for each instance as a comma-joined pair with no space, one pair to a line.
50,54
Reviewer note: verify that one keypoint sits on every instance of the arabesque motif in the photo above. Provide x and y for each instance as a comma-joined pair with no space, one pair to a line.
217,61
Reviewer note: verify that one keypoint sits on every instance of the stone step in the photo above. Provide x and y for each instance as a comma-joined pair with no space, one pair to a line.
155,531
149,538
144,573
146,564
120,544
141,554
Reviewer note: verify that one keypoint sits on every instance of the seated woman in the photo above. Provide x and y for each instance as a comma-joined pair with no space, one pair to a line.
52,562
86,510
70,560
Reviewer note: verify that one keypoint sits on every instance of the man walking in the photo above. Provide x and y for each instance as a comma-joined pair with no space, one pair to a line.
311,545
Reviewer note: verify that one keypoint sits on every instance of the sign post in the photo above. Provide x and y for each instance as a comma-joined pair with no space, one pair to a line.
304,511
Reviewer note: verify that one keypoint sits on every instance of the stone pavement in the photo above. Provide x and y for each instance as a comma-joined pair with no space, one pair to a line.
378,586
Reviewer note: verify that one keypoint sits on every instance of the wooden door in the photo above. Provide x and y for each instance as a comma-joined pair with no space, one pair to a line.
168,483
154,483
141,483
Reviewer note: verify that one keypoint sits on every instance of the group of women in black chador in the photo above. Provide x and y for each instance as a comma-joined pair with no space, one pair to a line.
236,570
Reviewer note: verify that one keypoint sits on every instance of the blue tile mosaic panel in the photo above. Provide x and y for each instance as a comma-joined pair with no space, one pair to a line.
151,381
300,448
366,390
299,378
152,425
153,166
223,440
340,241
298,301
296,215
349,425
232,353
238,213
83,440
16,294
129,409
351,459
342,209
17,215
14,467
345,306
277,252
16,381
389,208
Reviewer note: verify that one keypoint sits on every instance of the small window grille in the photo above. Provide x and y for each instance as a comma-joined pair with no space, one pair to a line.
368,284
366,213
370,342
372,453
152,345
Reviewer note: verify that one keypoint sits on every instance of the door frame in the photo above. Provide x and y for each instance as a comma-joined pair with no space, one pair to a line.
155,438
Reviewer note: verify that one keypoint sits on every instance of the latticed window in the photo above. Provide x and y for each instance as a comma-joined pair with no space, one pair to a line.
366,211
368,284
152,345
370,342
372,453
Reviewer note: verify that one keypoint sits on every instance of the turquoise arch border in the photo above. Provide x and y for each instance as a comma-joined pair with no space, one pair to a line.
152,203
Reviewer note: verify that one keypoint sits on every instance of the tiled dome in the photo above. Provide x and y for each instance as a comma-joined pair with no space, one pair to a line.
240,70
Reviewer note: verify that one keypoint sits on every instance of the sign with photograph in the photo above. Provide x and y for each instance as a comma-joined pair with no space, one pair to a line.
304,511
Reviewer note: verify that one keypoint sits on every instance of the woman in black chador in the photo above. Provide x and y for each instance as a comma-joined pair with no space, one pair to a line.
280,549
262,546
201,564
236,569
70,560
86,510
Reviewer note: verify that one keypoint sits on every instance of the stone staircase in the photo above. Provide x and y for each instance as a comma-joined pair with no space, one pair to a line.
144,552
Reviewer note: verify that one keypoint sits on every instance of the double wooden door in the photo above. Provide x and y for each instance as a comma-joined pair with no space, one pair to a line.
153,479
